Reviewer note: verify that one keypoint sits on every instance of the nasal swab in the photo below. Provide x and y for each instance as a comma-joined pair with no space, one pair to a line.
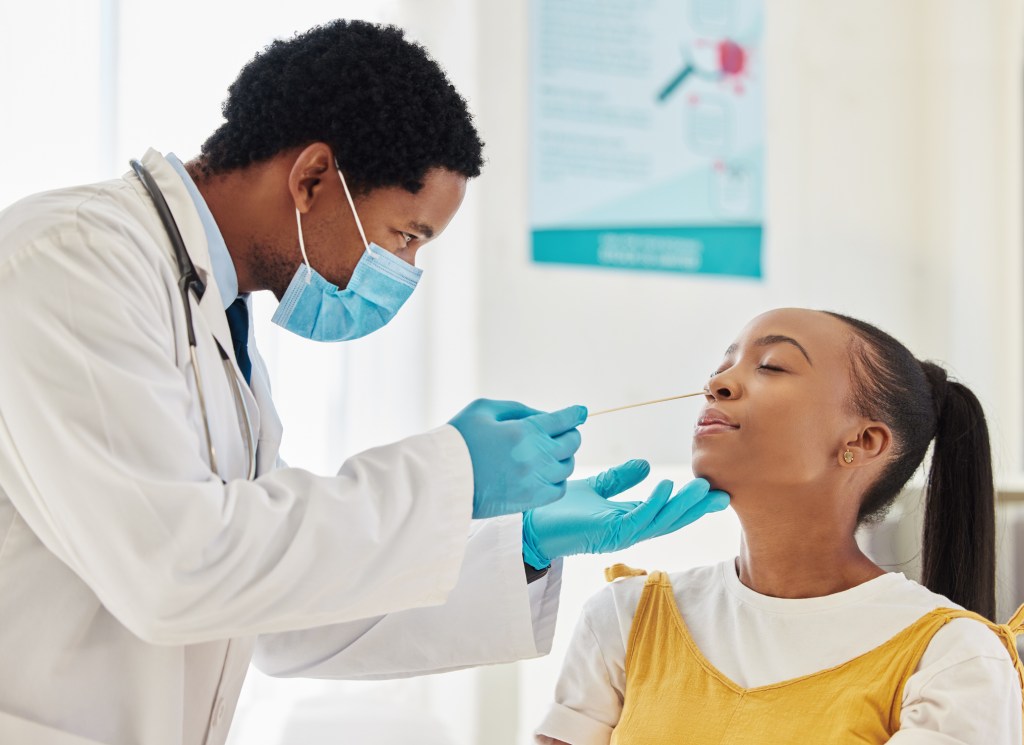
645,403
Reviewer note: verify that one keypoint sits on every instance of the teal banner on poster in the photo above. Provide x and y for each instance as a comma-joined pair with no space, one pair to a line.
647,135
733,250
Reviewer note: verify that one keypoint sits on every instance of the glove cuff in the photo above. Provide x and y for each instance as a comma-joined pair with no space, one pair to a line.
531,554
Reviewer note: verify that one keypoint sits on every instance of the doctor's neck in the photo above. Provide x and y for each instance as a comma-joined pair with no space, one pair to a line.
250,213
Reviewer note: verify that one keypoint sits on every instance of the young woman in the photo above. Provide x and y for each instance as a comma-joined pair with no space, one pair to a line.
813,424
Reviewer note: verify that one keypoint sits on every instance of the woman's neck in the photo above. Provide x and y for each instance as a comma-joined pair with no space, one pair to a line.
788,557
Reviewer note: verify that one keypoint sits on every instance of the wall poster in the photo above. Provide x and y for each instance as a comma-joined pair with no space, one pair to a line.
647,134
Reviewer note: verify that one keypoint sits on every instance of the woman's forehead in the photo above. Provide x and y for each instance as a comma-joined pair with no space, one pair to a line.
814,330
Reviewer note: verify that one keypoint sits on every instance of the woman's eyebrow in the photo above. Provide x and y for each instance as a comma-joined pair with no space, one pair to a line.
767,341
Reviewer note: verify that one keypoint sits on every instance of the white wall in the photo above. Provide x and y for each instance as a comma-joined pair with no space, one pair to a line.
52,96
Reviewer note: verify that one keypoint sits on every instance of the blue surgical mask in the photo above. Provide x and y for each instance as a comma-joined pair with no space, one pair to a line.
315,309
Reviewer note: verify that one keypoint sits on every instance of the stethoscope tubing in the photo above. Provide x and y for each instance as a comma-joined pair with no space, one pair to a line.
188,279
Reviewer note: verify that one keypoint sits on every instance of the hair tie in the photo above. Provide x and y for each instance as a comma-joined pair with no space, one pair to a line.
940,385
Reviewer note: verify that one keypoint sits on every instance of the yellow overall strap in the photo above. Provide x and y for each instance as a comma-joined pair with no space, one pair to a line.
618,571
1009,632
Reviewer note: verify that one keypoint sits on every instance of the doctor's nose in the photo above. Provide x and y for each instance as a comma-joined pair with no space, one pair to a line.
408,254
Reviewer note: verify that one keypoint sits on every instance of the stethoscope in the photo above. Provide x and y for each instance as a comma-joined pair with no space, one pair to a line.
188,280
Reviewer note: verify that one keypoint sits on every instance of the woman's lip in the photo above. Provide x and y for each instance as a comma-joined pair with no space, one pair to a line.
712,416
716,420
713,427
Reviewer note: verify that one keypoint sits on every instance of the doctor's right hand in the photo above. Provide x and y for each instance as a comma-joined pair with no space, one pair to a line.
521,457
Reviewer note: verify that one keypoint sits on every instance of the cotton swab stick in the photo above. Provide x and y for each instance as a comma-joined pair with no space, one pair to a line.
645,403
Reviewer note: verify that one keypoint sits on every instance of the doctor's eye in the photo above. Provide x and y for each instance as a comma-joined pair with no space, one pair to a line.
408,237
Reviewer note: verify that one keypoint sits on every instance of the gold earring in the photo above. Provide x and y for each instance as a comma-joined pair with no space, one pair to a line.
848,456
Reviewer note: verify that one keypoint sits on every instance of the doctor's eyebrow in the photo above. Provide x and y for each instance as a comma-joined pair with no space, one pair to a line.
424,230
767,341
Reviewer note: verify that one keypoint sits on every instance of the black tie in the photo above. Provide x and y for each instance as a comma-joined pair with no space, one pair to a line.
238,322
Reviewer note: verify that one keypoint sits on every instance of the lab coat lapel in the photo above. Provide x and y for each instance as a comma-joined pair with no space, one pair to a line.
192,233
211,306
271,428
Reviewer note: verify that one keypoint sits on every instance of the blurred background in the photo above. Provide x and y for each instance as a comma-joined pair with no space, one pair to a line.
889,188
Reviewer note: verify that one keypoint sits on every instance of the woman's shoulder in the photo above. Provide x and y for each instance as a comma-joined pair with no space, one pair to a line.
960,638
609,612
966,657
620,597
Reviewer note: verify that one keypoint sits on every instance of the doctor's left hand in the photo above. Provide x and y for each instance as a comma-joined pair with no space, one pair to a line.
585,521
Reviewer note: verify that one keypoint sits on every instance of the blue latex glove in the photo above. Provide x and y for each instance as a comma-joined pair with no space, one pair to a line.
521,456
586,522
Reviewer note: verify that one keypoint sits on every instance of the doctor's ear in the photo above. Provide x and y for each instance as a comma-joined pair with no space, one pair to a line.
306,177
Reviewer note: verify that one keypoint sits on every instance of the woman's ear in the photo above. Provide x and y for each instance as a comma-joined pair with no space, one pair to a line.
307,173
866,446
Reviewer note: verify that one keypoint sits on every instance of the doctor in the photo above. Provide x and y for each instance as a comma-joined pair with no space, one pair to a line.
150,538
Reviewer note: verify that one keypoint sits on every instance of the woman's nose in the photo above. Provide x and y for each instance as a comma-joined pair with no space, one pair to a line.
719,387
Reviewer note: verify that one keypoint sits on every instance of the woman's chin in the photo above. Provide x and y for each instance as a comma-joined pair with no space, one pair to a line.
719,475
705,467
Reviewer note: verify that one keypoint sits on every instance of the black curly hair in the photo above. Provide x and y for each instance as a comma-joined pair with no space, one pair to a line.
386,109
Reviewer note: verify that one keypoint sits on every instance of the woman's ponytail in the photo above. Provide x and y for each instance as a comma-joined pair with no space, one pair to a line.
959,523
920,405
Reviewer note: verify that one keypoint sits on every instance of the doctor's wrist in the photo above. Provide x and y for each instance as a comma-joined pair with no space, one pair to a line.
533,557
532,575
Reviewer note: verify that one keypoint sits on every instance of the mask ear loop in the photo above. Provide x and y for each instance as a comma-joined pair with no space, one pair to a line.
302,247
348,196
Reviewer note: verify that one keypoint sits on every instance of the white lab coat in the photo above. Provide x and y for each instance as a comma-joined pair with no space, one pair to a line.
134,583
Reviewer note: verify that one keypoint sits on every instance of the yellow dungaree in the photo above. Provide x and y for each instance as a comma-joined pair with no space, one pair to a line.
674,695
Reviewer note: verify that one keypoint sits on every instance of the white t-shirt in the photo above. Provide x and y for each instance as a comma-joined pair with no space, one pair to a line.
965,689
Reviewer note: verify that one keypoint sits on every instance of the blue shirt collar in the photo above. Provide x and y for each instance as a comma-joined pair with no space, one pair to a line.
220,259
